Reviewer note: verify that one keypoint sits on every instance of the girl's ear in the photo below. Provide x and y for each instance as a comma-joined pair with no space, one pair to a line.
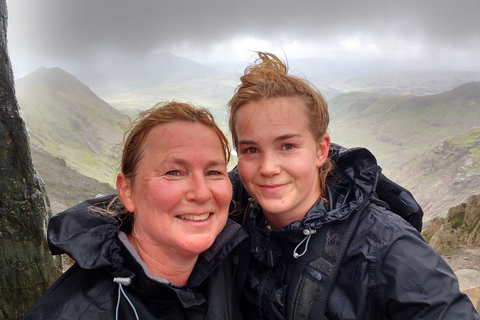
323,147
125,192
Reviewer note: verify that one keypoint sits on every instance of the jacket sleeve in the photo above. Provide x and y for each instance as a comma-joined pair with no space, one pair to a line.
416,282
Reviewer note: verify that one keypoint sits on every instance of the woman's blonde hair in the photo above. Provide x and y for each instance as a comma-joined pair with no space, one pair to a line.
268,78
134,141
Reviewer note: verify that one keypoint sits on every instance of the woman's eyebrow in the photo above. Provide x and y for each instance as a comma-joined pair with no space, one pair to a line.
184,162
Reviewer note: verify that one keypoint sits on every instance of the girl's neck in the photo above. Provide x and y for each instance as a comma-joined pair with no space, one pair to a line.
164,263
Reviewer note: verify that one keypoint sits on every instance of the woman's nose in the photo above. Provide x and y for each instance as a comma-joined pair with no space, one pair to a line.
199,190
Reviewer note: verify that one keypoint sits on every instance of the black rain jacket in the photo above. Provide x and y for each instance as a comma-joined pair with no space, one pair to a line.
388,271
102,253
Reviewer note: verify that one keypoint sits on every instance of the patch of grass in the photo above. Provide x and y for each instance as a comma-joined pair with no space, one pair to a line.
456,222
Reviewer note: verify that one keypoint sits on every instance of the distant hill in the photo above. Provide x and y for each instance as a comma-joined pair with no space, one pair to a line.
66,119
444,175
147,71
139,83
400,128
211,93
416,83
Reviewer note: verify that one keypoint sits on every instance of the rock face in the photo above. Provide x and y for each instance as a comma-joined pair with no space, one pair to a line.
461,226
26,266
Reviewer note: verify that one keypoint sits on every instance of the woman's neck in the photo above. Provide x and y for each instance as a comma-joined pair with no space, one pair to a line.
164,263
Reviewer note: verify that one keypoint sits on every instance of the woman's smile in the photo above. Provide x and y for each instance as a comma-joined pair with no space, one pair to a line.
195,217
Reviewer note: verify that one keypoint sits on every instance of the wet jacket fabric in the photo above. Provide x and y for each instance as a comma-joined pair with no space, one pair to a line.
103,255
388,271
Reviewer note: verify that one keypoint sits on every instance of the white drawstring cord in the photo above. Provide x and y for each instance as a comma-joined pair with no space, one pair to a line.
121,292
308,234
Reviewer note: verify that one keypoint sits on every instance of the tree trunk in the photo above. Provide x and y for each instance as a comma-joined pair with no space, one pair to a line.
27,268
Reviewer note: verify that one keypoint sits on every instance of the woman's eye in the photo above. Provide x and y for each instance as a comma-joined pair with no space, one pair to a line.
213,173
288,146
250,150
173,173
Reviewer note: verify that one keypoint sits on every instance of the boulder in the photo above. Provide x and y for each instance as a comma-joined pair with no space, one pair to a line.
474,295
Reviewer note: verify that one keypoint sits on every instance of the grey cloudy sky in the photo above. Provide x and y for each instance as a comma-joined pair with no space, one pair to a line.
84,33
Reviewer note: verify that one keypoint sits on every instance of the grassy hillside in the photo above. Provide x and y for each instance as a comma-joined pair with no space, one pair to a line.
66,119
400,128
65,187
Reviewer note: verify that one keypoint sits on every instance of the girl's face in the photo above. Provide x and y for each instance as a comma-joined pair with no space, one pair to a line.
278,158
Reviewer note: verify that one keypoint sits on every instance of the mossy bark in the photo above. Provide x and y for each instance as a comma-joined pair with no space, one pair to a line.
26,266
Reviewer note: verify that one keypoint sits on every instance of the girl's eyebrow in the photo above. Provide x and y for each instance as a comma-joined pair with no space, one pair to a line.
287,136
246,142
279,138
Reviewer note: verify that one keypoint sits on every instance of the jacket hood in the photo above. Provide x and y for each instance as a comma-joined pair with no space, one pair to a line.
90,237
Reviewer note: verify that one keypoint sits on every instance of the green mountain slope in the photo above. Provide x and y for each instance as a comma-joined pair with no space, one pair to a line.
66,119
400,128
65,187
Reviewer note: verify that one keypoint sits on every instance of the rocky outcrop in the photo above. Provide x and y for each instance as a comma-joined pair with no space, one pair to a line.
434,226
474,295
26,266
460,227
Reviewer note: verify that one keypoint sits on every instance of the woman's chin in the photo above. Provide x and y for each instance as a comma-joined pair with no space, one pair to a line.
195,245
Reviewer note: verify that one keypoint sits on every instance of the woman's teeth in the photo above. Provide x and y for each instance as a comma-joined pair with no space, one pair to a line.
194,217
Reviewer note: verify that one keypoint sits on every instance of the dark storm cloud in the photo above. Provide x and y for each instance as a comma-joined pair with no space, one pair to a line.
86,30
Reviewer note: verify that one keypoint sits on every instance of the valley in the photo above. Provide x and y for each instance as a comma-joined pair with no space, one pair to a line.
415,122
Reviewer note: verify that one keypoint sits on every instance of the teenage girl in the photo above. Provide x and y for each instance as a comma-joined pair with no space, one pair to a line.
297,190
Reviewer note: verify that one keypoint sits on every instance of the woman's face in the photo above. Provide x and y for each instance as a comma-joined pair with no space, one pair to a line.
278,158
181,193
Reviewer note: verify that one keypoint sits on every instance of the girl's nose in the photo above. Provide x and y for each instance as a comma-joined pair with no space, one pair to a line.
269,165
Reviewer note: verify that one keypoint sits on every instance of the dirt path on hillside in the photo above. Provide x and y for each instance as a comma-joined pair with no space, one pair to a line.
465,262
464,257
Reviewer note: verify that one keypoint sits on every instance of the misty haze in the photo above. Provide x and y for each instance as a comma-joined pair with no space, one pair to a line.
401,79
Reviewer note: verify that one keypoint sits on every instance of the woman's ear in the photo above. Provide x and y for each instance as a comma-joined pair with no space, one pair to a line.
323,147
125,192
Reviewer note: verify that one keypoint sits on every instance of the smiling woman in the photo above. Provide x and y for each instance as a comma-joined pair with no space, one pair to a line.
151,258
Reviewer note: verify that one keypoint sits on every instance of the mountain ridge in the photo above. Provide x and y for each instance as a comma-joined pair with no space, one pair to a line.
65,118
412,124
